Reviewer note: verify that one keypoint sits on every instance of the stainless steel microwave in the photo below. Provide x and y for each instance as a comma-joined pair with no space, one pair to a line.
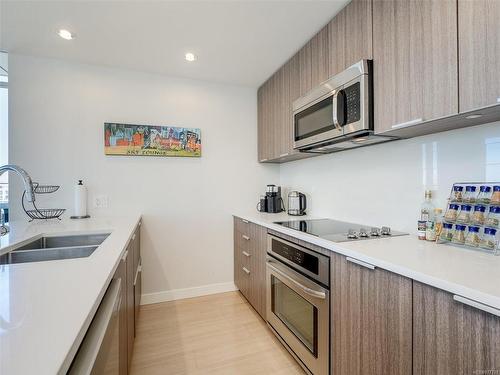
338,114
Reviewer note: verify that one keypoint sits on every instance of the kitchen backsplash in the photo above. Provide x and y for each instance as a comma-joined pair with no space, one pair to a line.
384,184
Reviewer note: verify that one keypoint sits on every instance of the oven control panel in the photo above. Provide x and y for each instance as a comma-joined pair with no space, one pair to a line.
300,258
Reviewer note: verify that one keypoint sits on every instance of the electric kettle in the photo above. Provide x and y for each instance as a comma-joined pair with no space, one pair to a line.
296,203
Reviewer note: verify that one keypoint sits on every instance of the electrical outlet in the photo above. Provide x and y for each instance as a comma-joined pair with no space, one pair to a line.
101,201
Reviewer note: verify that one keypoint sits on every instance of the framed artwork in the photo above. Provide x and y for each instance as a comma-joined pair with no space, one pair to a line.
151,140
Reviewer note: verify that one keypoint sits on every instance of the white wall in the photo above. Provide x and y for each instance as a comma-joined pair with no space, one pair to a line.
57,111
384,184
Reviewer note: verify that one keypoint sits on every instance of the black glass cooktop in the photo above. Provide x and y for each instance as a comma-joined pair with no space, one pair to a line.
339,231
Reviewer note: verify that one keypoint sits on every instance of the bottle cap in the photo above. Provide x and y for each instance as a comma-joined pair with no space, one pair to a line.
438,210
428,193
490,231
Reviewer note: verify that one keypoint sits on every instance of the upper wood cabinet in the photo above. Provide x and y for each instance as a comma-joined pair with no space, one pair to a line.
350,36
338,45
415,61
452,338
371,320
479,53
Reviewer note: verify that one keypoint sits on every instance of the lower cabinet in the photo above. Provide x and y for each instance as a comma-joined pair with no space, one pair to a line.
371,315
250,262
450,337
130,296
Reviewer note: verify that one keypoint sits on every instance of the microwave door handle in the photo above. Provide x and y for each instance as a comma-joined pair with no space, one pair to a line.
335,112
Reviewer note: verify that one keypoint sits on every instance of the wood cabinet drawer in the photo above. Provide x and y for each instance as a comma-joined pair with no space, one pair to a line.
242,226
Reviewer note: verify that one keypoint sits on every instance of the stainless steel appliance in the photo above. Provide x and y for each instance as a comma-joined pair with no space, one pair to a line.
339,231
272,201
338,114
298,302
99,352
297,203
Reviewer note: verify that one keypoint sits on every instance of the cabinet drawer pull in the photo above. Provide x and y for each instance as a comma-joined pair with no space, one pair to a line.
137,272
283,155
245,253
360,263
264,160
124,257
408,123
245,221
246,270
245,237
476,305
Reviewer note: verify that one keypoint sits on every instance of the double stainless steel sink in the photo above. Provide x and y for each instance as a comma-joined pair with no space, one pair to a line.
54,248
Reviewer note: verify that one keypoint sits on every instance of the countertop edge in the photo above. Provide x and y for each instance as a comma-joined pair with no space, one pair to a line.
443,284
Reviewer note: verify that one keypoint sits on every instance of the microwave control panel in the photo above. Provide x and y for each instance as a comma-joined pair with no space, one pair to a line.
352,103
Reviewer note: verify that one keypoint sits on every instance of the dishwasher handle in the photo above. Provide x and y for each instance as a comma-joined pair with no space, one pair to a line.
105,319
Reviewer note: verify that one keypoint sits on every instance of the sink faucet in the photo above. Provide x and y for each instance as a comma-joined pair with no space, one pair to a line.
28,186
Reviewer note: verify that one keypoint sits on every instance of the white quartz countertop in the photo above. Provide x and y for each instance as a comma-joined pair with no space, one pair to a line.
46,307
468,273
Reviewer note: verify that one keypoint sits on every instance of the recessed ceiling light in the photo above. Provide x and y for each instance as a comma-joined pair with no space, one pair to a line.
473,116
65,34
190,57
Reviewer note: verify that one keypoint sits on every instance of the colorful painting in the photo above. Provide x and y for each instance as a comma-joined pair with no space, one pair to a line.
149,140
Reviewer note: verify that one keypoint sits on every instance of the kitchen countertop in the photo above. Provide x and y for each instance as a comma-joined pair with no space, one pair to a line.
468,273
46,307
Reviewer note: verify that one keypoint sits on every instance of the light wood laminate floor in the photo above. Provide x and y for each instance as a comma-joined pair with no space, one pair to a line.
217,334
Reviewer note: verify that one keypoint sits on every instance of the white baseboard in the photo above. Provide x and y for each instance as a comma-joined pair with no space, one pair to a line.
197,291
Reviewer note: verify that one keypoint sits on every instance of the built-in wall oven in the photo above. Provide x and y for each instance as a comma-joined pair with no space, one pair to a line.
298,302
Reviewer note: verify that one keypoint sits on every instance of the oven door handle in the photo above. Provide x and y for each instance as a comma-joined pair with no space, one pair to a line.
309,291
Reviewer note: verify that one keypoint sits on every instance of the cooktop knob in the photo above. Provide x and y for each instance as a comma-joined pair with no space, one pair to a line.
385,231
363,233
351,233
375,232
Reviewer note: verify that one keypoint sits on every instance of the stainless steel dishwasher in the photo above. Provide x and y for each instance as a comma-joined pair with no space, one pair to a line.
99,352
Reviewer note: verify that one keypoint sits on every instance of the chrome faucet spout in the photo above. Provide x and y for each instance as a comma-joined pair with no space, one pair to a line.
28,184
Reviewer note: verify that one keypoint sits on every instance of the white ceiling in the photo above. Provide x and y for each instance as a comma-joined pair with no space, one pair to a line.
240,42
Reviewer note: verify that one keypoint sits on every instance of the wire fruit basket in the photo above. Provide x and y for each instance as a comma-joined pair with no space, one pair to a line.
42,213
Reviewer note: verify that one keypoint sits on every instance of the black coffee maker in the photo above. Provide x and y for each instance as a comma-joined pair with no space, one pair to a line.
272,201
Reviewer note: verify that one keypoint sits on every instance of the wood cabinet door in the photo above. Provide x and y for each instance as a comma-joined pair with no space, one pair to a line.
121,274
137,275
371,320
257,292
479,53
130,306
414,61
451,338
358,32
320,57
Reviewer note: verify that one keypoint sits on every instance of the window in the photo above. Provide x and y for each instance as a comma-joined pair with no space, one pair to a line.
4,135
